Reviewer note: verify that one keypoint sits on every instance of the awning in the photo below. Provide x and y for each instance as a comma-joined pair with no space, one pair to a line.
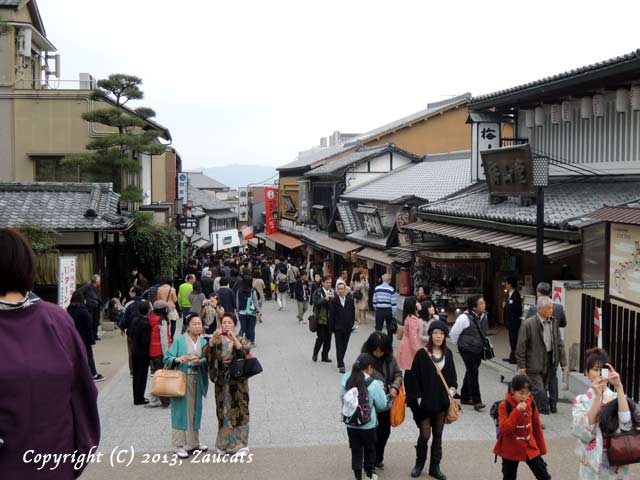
221,215
282,239
201,243
552,248
341,247
375,255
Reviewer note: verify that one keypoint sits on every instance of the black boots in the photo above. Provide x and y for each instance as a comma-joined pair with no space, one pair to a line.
421,457
434,471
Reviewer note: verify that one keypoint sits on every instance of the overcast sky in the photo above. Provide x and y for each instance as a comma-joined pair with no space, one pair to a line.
254,82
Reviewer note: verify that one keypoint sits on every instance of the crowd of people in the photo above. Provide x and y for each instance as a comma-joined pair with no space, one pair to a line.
208,322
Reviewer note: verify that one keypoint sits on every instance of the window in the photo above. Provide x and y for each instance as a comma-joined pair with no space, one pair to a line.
50,169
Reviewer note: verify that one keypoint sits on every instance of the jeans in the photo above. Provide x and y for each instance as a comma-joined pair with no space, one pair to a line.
92,363
342,341
383,315
471,386
248,327
363,447
323,340
302,309
537,466
94,311
383,430
282,299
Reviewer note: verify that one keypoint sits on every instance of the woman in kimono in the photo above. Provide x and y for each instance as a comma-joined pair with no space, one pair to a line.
587,421
232,396
187,354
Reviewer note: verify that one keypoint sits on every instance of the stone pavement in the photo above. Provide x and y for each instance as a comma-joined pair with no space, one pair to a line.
294,402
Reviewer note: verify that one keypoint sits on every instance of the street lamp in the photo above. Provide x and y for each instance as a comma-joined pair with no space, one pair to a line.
540,180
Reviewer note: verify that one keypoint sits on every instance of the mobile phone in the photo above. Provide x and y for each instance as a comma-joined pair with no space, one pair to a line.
604,372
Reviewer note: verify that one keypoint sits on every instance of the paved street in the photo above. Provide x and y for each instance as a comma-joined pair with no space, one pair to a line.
295,427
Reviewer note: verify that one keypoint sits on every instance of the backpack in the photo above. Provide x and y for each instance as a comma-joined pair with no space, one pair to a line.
283,286
356,412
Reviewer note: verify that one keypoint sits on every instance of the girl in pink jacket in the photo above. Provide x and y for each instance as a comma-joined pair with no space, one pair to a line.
410,342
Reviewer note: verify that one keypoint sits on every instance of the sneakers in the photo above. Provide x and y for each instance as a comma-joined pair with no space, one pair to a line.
182,453
479,406
98,378
153,404
342,370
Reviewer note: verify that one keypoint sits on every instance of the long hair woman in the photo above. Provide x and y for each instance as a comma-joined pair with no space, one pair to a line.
187,353
45,361
362,439
361,284
232,395
410,342
385,369
428,398
427,315
248,309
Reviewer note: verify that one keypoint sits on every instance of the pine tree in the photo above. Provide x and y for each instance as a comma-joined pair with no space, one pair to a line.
113,157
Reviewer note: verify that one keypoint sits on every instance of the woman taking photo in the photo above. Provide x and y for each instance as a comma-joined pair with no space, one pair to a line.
212,314
361,296
427,315
428,398
187,354
410,342
600,411
232,396
385,369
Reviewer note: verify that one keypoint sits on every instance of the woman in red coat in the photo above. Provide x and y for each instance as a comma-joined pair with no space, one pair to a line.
520,437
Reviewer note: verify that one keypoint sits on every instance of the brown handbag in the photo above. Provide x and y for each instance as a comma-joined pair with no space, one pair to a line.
454,411
623,448
169,383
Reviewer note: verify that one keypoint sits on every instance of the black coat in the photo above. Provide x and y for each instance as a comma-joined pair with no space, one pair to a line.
207,286
81,317
141,335
300,289
513,310
342,319
423,382
132,310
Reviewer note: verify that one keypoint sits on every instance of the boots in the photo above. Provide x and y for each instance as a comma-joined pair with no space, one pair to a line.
434,471
421,457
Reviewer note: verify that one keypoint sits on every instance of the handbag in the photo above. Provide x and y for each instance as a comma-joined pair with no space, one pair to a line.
313,323
487,347
398,408
623,448
242,368
454,411
169,383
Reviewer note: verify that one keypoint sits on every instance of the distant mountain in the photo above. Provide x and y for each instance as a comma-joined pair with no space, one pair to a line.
240,175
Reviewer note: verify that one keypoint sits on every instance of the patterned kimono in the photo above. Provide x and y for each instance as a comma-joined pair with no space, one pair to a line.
594,463
232,396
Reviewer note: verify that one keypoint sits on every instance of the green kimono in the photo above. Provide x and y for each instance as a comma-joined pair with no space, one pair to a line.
179,405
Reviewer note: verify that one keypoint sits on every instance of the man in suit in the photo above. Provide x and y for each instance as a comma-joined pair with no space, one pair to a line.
544,290
342,317
321,299
513,316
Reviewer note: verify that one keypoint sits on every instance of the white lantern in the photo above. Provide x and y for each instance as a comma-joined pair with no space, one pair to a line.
622,100
539,116
566,111
529,119
555,113
598,105
635,97
586,107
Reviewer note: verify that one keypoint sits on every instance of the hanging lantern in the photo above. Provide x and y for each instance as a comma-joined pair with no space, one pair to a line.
586,107
539,116
622,100
555,113
634,95
566,111
598,105
529,118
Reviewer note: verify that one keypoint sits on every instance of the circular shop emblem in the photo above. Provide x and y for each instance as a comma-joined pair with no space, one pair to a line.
270,194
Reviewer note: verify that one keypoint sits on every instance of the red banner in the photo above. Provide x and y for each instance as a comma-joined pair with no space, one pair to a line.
271,209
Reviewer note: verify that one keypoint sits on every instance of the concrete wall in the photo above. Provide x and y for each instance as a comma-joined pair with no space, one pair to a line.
445,132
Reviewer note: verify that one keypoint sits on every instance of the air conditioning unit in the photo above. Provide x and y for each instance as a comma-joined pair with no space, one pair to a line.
24,42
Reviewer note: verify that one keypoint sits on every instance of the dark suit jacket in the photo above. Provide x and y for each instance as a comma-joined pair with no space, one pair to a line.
513,310
558,314
299,290
342,319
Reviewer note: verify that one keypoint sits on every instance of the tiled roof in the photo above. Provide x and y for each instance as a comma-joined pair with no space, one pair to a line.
402,122
587,69
564,200
200,180
61,206
207,201
432,179
362,153
309,157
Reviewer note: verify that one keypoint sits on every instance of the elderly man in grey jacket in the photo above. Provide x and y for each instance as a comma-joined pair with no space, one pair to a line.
540,349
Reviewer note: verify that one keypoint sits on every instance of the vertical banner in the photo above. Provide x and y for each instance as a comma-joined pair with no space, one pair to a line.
303,199
66,280
271,209
243,204
183,179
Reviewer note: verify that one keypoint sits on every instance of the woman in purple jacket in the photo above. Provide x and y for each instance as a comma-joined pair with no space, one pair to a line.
48,399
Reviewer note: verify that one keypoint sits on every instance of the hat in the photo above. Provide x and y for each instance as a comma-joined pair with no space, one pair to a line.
159,304
438,325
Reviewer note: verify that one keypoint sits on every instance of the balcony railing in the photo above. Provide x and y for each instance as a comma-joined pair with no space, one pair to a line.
511,141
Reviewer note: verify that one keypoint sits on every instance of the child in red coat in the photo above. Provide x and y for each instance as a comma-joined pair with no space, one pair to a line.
520,438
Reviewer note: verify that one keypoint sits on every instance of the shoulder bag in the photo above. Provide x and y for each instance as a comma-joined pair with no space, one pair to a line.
398,408
169,383
454,411
487,347
623,448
